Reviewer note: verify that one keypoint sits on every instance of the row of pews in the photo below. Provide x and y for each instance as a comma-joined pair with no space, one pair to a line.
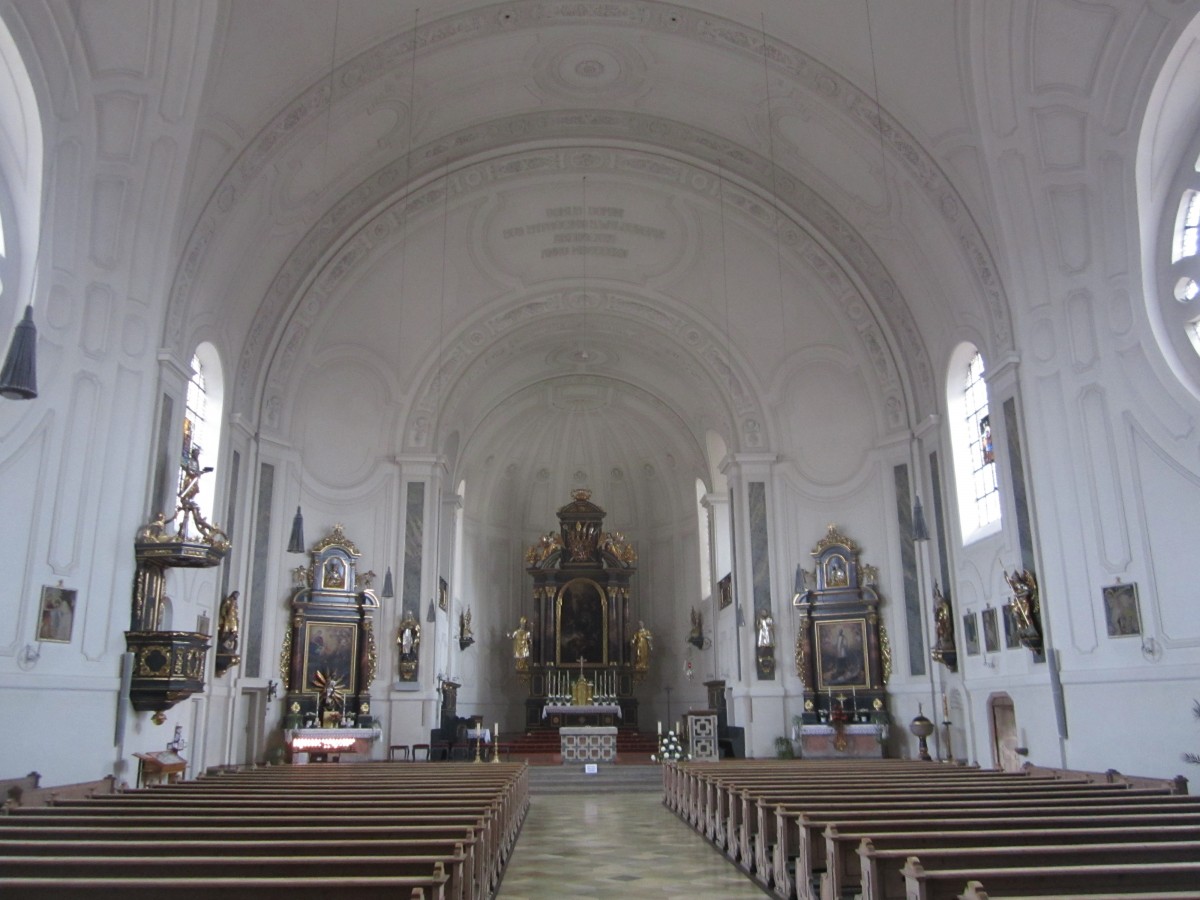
368,830
912,830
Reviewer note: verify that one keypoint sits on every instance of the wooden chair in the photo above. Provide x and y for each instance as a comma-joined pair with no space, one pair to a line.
417,748
402,749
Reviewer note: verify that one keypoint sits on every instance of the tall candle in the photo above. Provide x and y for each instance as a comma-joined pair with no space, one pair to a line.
660,728
945,705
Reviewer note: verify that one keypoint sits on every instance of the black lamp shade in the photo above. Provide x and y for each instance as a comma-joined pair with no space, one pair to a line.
18,379
296,541
920,529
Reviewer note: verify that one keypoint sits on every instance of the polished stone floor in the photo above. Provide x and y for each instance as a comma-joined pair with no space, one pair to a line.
615,845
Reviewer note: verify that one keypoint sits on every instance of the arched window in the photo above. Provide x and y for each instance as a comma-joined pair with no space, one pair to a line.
1185,265
202,423
974,454
1168,178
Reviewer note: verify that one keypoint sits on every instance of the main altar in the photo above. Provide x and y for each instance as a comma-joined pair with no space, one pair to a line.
579,652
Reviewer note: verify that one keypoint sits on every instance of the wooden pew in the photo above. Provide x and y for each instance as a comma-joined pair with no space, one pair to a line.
843,868
320,887
482,807
1158,880
759,831
458,857
883,878
800,832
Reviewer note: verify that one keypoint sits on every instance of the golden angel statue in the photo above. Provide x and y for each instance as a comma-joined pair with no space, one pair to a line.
521,644
642,643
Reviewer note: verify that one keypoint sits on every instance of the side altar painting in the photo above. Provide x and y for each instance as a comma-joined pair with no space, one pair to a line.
578,641
329,654
843,655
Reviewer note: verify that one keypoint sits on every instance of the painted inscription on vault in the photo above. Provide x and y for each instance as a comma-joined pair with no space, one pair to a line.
585,231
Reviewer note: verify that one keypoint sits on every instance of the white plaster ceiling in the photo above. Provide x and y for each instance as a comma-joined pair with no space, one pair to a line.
748,192
838,159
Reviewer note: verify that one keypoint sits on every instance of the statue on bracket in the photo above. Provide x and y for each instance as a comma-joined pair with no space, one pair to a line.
696,636
227,634
764,644
465,636
1026,608
944,650
521,640
642,643
408,644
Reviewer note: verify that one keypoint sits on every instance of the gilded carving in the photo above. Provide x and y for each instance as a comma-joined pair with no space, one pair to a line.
372,653
832,537
801,655
336,538
285,658
885,652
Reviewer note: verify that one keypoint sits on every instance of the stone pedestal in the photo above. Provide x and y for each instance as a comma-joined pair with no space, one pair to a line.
588,745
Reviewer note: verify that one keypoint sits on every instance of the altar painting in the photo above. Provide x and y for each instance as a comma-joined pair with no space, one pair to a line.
841,654
329,648
581,623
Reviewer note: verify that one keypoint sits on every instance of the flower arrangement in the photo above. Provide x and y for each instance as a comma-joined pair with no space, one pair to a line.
670,749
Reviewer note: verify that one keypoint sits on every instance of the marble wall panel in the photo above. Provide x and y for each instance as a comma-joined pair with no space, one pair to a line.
257,601
414,546
908,563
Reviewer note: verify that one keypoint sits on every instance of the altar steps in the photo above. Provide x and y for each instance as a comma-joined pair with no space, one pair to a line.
607,780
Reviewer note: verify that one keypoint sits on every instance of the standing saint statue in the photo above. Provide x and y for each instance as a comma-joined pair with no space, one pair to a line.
521,645
642,643
766,629
408,642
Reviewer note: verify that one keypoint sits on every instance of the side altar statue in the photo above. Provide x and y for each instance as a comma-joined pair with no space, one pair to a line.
581,624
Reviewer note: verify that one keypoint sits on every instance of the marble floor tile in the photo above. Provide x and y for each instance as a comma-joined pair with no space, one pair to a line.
615,845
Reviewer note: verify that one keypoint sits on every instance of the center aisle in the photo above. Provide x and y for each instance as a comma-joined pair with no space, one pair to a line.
615,845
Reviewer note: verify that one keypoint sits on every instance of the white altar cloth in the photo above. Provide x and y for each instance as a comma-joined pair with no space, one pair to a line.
303,741
609,708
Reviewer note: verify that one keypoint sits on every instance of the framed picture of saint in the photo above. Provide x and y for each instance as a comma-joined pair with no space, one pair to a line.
1012,631
991,630
330,648
841,654
725,591
971,633
56,616
581,623
1122,614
